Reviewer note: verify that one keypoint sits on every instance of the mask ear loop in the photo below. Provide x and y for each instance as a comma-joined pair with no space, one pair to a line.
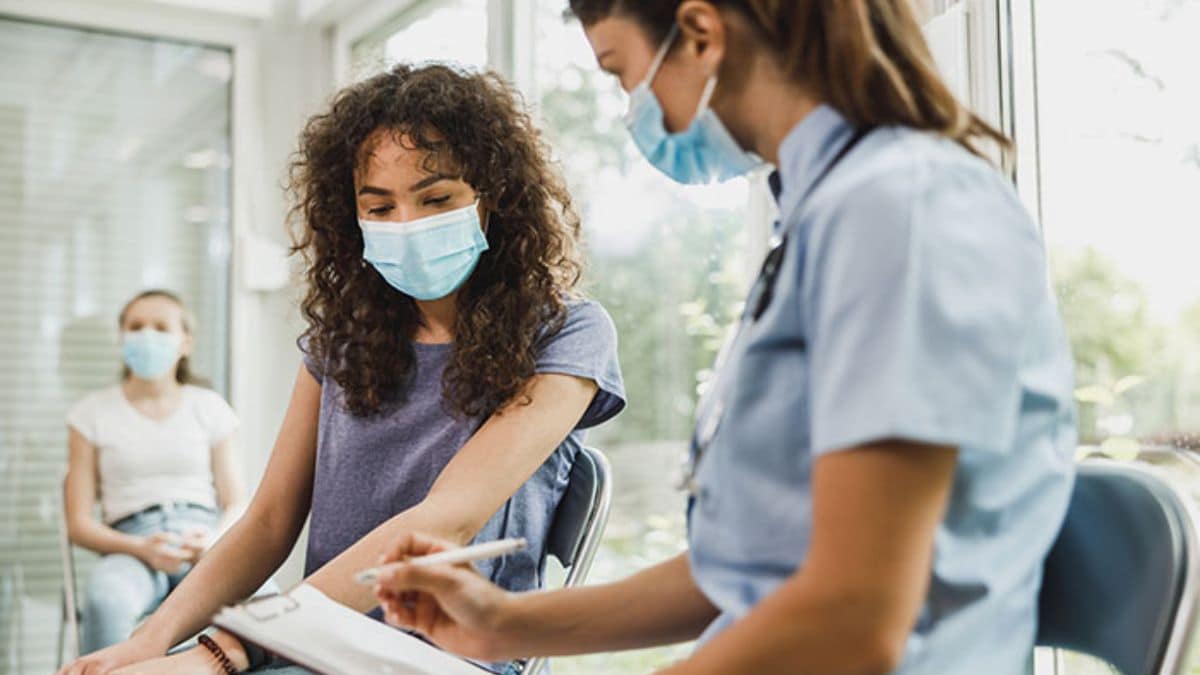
485,225
709,87
706,96
661,55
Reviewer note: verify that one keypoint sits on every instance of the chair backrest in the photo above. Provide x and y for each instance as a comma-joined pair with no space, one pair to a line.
582,514
579,523
1120,582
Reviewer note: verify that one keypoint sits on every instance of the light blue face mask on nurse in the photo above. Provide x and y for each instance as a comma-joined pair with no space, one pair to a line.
427,258
702,153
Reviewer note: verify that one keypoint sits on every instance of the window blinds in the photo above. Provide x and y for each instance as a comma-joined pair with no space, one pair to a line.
114,177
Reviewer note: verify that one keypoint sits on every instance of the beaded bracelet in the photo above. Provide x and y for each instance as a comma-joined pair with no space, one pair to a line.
218,653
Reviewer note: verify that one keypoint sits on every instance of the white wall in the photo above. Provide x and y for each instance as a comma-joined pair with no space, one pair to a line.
294,79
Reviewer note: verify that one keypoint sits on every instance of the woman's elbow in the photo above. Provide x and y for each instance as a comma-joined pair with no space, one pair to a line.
77,528
459,530
445,522
72,531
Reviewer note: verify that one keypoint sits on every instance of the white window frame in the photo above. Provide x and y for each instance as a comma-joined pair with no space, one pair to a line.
511,26
998,56
510,23
1022,106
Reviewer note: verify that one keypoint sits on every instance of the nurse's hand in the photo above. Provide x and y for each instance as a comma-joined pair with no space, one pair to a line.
452,605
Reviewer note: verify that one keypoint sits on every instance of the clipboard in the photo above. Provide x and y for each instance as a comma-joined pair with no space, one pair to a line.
314,632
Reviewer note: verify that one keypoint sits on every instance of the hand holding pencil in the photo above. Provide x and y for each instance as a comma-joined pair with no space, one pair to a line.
444,598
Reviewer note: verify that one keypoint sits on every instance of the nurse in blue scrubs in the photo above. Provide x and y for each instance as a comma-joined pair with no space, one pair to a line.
885,457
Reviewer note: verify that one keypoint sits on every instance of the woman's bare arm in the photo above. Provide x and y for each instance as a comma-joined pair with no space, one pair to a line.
489,468
229,482
463,612
658,606
82,526
851,607
848,609
246,556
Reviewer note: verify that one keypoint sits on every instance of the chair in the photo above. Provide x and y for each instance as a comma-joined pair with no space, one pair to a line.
579,522
68,630
1120,582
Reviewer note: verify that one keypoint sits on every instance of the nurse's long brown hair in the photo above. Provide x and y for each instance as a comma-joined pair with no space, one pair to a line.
868,59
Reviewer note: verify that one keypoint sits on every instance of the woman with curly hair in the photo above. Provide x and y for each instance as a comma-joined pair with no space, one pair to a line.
449,366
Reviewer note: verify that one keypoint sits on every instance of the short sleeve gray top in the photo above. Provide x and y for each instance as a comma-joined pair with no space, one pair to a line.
370,469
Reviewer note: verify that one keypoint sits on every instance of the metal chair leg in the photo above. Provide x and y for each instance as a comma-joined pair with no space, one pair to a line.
62,633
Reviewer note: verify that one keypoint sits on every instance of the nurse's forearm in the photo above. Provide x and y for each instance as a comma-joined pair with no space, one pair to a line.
801,629
851,607
657,606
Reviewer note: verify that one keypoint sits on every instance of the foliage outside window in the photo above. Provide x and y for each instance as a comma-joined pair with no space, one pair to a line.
669,264
1120,167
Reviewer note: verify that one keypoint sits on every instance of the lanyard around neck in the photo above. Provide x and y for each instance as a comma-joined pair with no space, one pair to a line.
765,285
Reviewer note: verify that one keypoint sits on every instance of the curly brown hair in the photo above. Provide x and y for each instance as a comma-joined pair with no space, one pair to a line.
359,327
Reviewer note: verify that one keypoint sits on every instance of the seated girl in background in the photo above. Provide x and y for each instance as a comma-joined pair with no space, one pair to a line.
449,367
159,451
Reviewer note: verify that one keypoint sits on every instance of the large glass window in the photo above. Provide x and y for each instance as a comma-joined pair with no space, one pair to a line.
1120,167
669,263
454,31
114,177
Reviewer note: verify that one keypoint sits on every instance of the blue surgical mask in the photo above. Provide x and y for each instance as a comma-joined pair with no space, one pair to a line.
427,258
149,353
702,153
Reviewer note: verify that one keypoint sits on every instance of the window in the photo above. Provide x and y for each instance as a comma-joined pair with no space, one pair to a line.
1120,163
670,264
115,177
434,30
1119,152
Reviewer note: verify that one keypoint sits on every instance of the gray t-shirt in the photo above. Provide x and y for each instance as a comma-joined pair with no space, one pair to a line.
371,468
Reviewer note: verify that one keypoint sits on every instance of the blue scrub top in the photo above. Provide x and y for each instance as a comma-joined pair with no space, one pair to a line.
913,303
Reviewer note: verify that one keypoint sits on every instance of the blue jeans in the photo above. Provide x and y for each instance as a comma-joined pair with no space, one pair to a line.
122,589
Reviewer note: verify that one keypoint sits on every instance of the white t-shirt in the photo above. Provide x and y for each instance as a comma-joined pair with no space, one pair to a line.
142,461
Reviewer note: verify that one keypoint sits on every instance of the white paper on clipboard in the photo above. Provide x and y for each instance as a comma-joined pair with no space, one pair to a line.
306,627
